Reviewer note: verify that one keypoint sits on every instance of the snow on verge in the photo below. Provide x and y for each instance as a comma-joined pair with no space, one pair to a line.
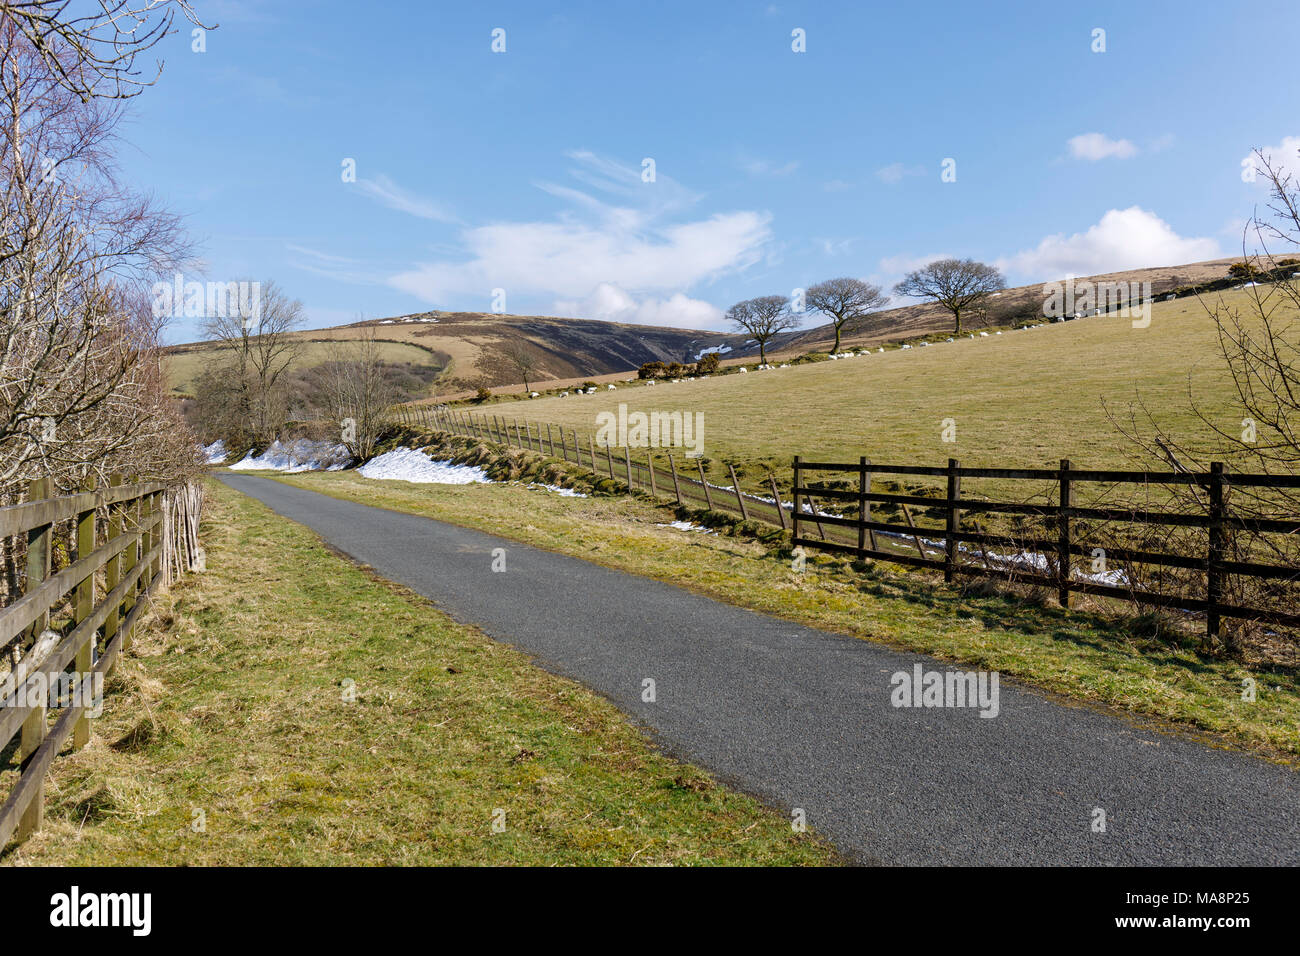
686,526
302,454
215,454
408,464
563,492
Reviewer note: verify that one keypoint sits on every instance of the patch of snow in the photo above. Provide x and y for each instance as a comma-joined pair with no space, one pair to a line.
719,349
686,526
301,454
216,453
563,492
408,464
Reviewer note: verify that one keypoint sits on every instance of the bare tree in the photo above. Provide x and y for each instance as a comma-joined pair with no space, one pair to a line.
956,284
846,302
258,337
78,371
524,361
763,318
1259,342
358,392
91,51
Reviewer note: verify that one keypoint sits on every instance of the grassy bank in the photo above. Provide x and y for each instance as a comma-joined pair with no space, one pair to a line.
234,712
1027,398
1125,664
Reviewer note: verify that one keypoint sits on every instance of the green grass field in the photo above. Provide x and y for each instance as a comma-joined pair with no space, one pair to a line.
183,368
232,712
1023,398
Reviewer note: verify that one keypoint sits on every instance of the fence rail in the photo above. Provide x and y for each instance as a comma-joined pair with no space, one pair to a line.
1056,555
941,547
121,542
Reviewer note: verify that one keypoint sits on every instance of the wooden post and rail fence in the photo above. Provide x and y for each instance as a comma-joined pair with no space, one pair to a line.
948,548
68,628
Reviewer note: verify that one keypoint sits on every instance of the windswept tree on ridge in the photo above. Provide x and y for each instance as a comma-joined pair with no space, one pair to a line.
956,284
846,302
763,318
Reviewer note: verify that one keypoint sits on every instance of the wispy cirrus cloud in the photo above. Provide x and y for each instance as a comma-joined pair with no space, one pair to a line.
620,248
1093,147
383,190
896,172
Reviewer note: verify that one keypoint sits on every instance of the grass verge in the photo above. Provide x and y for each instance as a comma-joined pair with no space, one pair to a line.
232,711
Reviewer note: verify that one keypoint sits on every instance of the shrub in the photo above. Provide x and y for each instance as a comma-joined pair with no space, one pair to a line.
708,364
482,395
1242,270
652,370
811,357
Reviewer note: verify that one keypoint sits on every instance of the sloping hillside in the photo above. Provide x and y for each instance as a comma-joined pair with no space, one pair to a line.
460,351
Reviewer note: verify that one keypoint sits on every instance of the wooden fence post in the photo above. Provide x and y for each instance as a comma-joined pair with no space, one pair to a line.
952,521
591,445
1063,538
34,727
609,460
677,488
131,556
550,442
776,497
112,571
704,483
627,460
740,499
794,492
862,506
1213,576
650,465
84,605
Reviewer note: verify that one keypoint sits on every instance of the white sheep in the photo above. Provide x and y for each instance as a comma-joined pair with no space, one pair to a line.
785,366
984,335
564,395
950,338
591,391
650,382
907,346
743,369
609,388
533,395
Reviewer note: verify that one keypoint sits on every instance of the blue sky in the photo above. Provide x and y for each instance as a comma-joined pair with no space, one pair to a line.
523,170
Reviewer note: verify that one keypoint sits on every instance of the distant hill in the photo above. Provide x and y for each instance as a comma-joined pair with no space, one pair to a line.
460,351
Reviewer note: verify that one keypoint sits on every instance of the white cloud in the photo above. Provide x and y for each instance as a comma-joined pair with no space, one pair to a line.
632,243
1096,146
1124,239
384,190
609,302
896,172
764,167
1284,157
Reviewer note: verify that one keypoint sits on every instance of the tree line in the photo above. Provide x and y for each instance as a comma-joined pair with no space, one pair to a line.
958,285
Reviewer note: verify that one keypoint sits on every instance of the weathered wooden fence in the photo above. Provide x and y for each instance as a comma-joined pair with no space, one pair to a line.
651,470
113,547
948,547
1050,562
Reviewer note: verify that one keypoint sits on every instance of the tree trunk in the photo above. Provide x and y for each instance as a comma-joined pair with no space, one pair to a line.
836,347
956,314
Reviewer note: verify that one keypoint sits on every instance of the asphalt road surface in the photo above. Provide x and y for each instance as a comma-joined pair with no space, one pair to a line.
803,718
